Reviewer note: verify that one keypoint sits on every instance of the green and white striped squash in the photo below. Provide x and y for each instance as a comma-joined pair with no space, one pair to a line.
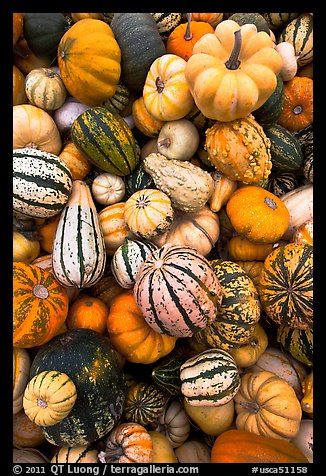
139,179
106,139
299,32
45,89
306,139
299,343
144,403
128,259
166,22
118,102
268,113
177,291
210,378
42,183
166,373
78,252
277,20
239,311
282,183
285,149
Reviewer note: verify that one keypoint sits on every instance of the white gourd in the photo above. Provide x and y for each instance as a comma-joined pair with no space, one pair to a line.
108,188
290,65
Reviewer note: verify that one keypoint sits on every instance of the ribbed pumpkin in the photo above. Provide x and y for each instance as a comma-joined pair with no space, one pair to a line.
144,403
21,365
48,398
210,378
173,422
239,149
177,291
140,42
89,60
114,227
297,110
148,213
88,312
106,139
182,39
239,312
45,89
40,305
131,335
76,161
212,18
258,214
233,71
108,188
240,248
238,446
34,127
286,286
166,93
144,121
19,95
267,405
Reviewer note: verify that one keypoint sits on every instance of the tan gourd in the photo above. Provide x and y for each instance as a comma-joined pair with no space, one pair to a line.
211,420
178,139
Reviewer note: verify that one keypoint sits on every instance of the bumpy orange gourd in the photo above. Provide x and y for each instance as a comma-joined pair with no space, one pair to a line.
88,312
233,72
258,214
40,305
297,112
89,60
239,149
132,336
237,446
166,92
182,39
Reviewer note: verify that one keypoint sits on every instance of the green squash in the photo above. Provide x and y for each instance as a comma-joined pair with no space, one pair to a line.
255,18
88,358
285,149
268,113
139,179
144,403
299,343
140,43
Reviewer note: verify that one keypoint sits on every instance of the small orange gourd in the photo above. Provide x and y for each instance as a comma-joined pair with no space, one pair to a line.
182,39
88,312
114,226
144,121
47,233
297,112
132,336
240,248
76,161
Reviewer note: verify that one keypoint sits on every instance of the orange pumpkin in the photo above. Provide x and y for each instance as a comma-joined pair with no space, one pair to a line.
166,93
47,233
88,312
258,214
132,336
18,95
114,226
297,112
212,18
144,121
18,25
237,446
183,38
76,161
40,305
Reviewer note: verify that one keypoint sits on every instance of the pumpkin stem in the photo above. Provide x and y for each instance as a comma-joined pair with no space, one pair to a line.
41,403
164,142
270,203
40,291
159,85
297,110
233,62
188,35
252,407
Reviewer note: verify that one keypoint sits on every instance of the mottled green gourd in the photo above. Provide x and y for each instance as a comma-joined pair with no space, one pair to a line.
299,343
144,403
188,186
166,374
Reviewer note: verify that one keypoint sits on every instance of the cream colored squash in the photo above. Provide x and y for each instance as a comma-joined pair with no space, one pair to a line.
44,88
304,439
211,420
178,139
108,188
290,65
223,189
174,423
299,202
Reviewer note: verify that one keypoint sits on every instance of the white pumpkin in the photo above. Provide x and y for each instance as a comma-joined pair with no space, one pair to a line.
65,115
174,423
304,438
290,65
178,140
108,188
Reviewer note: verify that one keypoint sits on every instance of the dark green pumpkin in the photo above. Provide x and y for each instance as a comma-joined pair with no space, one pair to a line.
286,153
119,101
106,139
239,311
144,403
166,374
140,43
139,179
88,358
256,18
282,183
299,343
270,111
43,32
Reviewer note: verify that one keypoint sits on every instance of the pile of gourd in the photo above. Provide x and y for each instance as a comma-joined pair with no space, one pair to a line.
163,237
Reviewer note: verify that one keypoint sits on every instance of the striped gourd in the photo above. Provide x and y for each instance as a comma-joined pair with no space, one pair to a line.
306,138
308,169
166,22
106,139
239,311
285,149
144,403
277,20
269,112
286,286
107,17
78,253
299,343
45,89
177,291
282,183
77,454
41,183
299,32
119,100
139,179
166,374
210,378
114,227
128,259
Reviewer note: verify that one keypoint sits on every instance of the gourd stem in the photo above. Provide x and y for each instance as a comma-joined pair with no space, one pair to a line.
270,203
159,85
233,62
40,291
164,142
252,407
188,34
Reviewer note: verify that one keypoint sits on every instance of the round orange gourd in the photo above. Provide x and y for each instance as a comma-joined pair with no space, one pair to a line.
75,160
34,127
24,249
182,39
297,112
47,233
166,93
237,446
18,95
132,336
114,226
18,26
40,305
258,214
240,248
144,121
89,61
88,312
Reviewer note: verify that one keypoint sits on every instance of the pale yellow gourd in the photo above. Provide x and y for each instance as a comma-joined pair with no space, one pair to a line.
211,420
